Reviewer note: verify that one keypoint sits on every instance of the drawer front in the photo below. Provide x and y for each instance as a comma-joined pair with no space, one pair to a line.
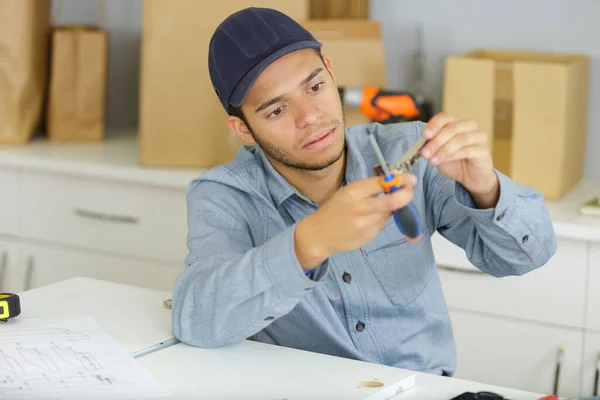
44,264
554,293
138,220
9,202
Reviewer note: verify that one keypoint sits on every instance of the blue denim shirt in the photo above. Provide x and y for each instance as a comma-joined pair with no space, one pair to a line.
382,303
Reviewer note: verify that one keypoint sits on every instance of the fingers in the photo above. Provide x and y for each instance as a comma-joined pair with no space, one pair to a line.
372,186
436,123
468,152
457,142
438,139
365,187
391,201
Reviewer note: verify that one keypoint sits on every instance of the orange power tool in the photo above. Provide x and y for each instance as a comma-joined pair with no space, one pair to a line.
386,106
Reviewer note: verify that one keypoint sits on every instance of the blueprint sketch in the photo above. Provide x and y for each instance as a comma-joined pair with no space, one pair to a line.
69,358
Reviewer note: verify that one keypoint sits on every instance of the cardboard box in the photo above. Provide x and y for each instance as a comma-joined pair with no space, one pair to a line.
534,107
355,48
335,9
181,120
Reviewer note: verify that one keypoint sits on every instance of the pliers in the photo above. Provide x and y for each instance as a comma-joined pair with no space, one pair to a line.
407,218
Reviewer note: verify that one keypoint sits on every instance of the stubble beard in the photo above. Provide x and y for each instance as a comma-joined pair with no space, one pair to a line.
284,158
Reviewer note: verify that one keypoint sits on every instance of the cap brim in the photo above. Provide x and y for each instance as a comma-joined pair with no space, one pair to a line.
243,88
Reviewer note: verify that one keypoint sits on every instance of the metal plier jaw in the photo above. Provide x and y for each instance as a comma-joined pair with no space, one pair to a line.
410,157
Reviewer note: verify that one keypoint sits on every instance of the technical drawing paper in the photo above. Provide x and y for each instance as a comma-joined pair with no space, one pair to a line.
70,358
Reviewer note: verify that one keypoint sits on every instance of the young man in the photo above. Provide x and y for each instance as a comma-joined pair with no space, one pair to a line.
293,243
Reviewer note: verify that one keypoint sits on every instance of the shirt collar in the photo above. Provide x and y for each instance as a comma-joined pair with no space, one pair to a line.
280,188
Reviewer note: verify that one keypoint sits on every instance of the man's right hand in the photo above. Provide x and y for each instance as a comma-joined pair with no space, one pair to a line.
353,216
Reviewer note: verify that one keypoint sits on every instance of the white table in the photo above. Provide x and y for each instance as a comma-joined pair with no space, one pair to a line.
251,370
136,318
133,316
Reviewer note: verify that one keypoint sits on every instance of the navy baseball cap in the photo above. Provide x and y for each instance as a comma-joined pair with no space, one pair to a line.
246,43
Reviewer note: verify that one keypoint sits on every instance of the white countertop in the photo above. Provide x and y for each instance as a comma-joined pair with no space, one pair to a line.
114,306
135,318
251,370
116,158
568,222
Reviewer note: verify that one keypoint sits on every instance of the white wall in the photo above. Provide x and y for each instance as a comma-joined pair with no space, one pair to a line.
449,26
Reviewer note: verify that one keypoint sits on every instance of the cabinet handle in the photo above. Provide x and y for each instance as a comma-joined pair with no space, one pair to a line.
559,360
29,272
3,265
100,216
461,270
597,374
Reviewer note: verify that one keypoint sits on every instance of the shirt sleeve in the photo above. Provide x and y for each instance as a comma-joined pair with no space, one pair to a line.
513,238
231,289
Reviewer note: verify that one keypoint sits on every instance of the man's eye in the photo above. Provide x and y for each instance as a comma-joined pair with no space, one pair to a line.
276,112
316,87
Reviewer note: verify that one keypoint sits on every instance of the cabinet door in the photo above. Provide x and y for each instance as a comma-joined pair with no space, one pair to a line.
45,265
590,383
539,295
593,301
516,354
10,262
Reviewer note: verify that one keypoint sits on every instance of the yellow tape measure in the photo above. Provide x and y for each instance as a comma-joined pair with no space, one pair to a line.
10,306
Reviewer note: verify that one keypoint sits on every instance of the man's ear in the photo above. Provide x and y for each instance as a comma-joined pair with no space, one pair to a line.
239,128
329,66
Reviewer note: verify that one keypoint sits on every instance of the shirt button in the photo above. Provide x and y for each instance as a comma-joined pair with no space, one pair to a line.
500,216
346,277
525,238
360,326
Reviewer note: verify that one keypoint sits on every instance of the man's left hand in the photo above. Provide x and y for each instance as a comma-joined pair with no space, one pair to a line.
460,152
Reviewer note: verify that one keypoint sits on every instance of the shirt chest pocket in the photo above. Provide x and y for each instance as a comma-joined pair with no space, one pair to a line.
402,268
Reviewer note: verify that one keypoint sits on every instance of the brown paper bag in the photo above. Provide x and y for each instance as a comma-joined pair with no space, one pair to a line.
78,79
24,27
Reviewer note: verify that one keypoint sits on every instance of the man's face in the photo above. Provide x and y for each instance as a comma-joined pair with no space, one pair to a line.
295,114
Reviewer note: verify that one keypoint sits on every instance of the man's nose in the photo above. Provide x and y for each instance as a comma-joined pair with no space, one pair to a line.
307,113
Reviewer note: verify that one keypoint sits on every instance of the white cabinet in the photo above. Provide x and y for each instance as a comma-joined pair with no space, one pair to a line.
517,354
554,293
593,308
10,266
43,265
9,201
509,330
123,218
59,225
591,365
113,221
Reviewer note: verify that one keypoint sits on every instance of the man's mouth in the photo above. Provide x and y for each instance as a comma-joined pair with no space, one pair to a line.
321,140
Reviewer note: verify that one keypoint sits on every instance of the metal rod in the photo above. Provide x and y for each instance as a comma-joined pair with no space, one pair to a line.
559,359
155,347
597,374
384,165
